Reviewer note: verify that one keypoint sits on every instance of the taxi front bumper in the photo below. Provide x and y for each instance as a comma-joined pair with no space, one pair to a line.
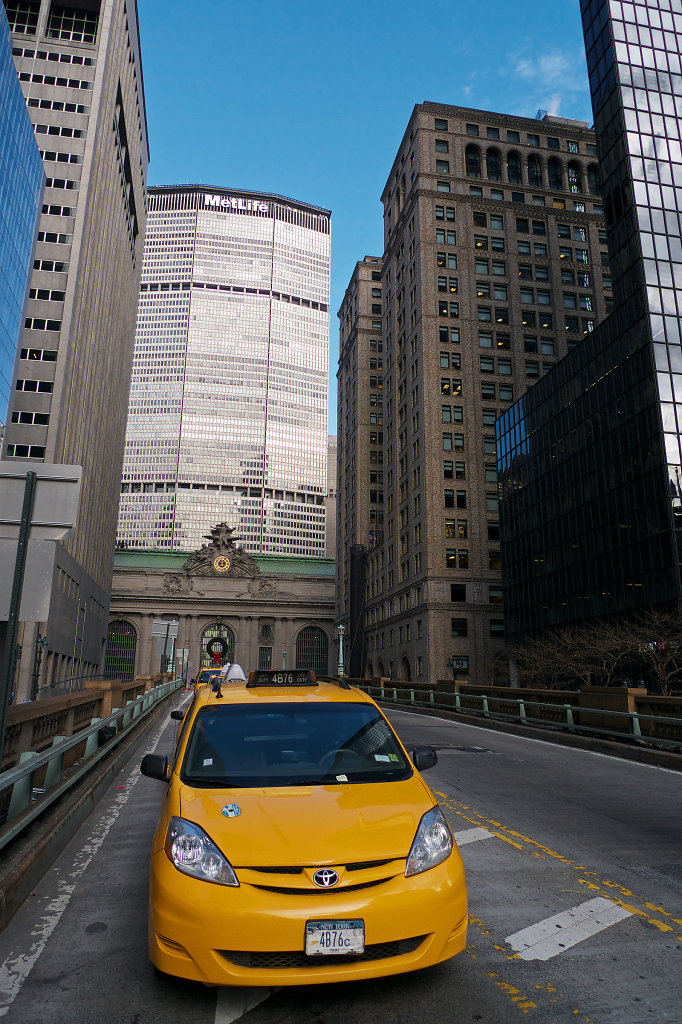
250,935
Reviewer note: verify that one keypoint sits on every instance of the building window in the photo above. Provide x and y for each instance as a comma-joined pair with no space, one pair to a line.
22,15
471,129
120,651
442,146
472,156
458,627
458,593
497,627
513,168
74,24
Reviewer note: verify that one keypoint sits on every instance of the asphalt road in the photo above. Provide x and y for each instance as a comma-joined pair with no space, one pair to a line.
574,865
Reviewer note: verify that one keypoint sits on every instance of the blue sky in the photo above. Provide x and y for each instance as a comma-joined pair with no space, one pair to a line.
311,100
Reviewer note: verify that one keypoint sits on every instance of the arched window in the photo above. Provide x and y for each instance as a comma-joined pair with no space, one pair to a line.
369,674
312,650
575,178
218,629
593,180
405,669
119,662
534,171
513,168
493,164
380,670
555,174
473,161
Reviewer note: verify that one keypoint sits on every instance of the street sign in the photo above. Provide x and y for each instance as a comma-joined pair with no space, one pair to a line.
55,504
165,628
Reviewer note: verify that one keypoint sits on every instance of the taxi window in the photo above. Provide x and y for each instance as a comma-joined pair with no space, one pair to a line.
183,729
292,745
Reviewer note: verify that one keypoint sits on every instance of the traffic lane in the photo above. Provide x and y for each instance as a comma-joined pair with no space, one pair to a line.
526,871
77,950
584,801
631,958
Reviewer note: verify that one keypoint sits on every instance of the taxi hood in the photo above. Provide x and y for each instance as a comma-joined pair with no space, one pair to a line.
300,825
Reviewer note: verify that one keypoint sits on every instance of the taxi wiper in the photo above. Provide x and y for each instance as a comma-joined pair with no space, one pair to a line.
207,780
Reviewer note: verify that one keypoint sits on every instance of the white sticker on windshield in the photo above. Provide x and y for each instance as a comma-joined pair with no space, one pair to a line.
342,778
381,757
207,761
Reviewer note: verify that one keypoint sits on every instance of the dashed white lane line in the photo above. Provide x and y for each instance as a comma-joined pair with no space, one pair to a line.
17,967
233,1003
472,835
552,936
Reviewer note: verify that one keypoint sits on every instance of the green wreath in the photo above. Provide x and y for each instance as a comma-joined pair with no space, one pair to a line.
215,644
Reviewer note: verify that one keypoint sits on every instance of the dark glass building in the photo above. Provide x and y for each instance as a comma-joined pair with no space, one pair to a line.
21,185
589,459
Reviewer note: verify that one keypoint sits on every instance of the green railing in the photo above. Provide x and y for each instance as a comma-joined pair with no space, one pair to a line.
622,725
40,778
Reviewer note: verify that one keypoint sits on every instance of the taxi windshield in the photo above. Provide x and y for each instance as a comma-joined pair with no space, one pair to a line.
292,745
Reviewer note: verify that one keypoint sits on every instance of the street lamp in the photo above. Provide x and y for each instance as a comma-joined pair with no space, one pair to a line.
41,644
341,669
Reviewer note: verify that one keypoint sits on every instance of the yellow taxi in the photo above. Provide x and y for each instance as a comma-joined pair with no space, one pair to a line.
297,842
205,675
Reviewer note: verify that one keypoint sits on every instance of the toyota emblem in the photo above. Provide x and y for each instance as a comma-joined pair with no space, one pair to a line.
325,878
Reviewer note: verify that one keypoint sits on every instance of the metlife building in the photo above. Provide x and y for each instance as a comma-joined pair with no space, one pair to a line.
228,406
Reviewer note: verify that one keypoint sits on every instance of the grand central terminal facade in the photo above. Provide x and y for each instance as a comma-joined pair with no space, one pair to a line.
270,611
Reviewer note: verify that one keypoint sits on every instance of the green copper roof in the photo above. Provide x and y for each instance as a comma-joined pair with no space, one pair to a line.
270,565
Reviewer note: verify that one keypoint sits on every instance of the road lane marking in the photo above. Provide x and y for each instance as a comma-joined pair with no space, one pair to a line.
233,1003
613,891
18,965
472,835
552,936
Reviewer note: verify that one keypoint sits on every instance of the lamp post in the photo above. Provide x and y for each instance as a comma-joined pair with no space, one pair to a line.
341,669
41,644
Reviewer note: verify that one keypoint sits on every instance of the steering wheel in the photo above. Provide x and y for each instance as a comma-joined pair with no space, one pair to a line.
334,757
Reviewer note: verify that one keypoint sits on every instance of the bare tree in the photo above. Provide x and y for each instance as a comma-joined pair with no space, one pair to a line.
656,637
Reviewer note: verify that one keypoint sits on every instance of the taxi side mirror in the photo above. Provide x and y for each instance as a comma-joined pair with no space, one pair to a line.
423,758
155,766
177,716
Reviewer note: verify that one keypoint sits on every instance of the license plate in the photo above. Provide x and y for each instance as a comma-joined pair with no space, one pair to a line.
334,938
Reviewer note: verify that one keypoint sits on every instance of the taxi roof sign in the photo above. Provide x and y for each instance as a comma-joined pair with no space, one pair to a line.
280,677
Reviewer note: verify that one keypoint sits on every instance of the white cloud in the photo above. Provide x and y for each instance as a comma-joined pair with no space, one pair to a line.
555,81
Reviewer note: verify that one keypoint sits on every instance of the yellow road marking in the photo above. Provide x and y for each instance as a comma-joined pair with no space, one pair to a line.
520,1000
606,888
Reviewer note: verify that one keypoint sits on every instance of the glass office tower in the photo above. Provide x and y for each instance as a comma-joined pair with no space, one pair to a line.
21,184
228,405
590,459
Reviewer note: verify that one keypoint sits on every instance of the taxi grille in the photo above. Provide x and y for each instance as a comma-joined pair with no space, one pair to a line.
316,891
296,958
296,870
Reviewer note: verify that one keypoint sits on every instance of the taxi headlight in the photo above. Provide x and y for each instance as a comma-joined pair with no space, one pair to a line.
192,852
432,843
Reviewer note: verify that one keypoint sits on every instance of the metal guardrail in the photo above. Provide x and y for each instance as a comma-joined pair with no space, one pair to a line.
21,802
566,719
